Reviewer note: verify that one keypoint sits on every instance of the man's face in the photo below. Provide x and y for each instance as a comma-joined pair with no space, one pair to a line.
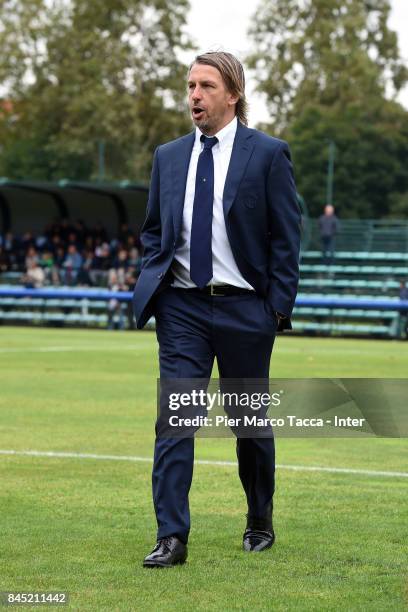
212,106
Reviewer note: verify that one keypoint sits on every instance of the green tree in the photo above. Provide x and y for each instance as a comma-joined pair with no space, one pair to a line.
330,70
79,73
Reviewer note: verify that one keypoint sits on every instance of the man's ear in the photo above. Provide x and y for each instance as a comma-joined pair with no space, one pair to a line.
232,100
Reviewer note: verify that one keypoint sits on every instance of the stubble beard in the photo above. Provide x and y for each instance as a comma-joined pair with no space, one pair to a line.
207,125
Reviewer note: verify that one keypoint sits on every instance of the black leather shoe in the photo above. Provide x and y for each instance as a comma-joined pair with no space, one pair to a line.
258,535
168,552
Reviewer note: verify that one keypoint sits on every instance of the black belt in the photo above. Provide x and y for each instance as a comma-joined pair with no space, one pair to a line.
220,290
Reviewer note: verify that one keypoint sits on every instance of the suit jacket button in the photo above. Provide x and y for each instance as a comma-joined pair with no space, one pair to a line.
160,275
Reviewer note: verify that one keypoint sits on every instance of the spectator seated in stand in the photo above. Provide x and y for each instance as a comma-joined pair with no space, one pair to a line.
101,264
34,277
50,269
71,264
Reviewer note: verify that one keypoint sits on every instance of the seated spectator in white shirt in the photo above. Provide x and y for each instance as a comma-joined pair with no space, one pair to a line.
34,277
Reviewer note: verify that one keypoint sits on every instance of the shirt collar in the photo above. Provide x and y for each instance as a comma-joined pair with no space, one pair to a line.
225,136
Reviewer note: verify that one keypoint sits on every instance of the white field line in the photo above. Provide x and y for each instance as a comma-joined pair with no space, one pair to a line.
296,468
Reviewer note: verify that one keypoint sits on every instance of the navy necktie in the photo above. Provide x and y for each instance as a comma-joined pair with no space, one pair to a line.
201,270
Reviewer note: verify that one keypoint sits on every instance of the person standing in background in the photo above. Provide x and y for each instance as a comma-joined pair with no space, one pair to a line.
328,228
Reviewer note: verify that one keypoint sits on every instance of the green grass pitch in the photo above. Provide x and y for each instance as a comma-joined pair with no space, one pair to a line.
84,525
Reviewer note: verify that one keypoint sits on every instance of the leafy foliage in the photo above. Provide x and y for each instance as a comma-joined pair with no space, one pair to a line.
81,73
329,69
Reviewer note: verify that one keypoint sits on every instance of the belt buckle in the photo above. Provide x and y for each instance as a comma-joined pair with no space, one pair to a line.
212,292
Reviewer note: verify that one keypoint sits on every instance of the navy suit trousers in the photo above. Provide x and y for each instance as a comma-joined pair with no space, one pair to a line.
192,330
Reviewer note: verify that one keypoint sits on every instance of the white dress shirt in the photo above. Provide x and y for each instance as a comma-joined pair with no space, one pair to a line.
225,269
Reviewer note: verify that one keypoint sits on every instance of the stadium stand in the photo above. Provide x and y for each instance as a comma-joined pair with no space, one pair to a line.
73,273
370,264
66,255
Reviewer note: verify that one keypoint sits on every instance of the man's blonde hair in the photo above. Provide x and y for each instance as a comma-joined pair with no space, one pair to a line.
232,74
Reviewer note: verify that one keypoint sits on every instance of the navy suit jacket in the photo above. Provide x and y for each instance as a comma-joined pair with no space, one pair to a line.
262,219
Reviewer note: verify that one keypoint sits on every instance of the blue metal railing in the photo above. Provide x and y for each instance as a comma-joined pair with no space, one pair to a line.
125,296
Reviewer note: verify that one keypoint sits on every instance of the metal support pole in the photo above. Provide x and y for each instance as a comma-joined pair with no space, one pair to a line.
330,173
101,160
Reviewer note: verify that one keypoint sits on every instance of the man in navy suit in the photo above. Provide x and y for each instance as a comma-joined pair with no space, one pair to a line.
219,273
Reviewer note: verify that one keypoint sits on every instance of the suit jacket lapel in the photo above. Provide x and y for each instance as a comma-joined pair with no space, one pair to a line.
180,161
240,156
181,153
